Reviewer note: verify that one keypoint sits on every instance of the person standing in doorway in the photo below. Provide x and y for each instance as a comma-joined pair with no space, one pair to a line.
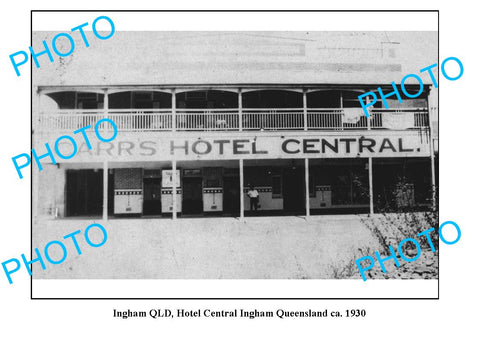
253,194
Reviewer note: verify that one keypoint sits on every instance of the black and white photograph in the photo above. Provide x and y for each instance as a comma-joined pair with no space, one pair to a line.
219,170
239,154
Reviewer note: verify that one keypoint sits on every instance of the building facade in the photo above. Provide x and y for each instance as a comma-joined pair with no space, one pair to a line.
198,127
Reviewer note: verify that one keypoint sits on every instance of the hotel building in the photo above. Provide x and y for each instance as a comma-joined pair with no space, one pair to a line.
204,116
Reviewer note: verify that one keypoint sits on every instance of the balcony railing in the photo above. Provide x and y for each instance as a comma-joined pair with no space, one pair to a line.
272,119
206,120
230,119
141,120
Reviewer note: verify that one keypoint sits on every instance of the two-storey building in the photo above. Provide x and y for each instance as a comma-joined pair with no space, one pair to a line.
202,117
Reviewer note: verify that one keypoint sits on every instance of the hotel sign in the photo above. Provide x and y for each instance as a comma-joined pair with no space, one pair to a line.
138,147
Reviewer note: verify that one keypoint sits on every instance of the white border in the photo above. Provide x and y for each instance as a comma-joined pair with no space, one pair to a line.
245,21
225,21
168,289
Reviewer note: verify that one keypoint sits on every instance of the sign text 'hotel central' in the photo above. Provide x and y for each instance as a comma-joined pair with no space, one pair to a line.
259,147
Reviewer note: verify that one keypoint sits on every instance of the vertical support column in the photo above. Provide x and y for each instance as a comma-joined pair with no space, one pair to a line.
369,124
105,108
105,162
341,106
432,154
240,110
370,183
105,103
174,110
242,203
105,190
307,189
305,122
174,189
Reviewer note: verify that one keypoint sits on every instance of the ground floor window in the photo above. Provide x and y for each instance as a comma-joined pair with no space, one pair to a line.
152,188
402,184
335,185
346,179
84,192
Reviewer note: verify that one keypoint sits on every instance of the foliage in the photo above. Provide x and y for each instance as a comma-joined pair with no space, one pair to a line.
348,269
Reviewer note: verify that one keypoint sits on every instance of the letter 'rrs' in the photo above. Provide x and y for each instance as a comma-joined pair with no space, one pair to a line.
23,160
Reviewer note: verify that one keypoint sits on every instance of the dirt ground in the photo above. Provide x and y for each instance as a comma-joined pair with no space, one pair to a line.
283,247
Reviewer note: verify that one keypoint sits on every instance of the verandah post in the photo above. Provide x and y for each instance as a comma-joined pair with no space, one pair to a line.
242,203
174,109
305,122
370,183
307,189
174,189
105,190
105,162
432,155
240,110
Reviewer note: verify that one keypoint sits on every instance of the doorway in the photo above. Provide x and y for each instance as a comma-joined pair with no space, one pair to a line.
231,195
84,192
111,193
293,191
152,204
192,196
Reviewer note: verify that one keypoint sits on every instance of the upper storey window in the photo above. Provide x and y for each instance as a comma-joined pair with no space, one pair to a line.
349,98
275,99
140,100
334,99
212,99
407,103
77,100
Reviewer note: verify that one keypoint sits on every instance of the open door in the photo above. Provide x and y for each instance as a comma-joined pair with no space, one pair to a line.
231,195
152,203
294,191
84,192
192,195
